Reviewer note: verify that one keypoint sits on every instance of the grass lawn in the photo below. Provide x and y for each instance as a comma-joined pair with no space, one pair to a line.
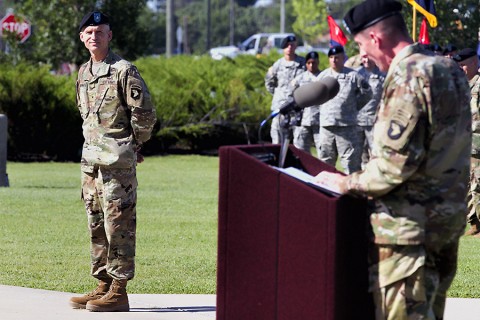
44,237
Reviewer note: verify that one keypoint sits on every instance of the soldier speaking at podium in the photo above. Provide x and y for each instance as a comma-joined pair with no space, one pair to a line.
418,174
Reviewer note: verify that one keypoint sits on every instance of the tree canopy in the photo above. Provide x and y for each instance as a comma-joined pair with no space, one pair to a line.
140,31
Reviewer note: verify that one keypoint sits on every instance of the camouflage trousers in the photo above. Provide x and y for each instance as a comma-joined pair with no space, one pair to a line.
305,136
411,282
277,132
367,132
343,142
473,196
110,197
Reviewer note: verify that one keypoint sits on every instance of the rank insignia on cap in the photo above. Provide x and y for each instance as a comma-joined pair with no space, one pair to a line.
395,130
97,17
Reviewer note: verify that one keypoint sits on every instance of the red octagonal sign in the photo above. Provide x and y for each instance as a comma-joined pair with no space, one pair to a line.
21,27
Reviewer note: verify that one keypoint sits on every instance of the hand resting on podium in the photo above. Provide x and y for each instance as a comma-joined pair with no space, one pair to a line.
309,179
334,181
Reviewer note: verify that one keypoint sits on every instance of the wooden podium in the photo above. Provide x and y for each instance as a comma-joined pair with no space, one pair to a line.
287,251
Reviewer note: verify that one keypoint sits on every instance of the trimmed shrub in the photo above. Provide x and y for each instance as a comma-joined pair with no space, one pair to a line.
44,123
203,103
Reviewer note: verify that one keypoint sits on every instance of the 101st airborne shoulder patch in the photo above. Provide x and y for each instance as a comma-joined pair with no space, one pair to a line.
135,92
400,126
395,130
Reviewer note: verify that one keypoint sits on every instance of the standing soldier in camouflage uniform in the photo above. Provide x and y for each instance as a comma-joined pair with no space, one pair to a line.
339,134
278,78
308,130
366,116
118,117
468,61
418,173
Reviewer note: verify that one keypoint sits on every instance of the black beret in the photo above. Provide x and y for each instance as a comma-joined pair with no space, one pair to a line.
286,40
450,48
94,18
464,54
436,47
311,55
335,50
368,13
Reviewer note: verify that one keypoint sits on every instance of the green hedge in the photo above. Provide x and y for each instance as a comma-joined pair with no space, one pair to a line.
43,121
201,104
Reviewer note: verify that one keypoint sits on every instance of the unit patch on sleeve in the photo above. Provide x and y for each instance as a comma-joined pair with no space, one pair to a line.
400,127
135,92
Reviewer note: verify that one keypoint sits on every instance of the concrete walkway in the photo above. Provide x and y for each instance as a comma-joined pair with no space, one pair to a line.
17,303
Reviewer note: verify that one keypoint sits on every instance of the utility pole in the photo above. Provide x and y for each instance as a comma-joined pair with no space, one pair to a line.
282,16
232,22
169,29
207,44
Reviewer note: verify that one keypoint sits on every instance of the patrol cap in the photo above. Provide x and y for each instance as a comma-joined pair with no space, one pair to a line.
286,40
94,18
311,55
368,13
335,50
464,54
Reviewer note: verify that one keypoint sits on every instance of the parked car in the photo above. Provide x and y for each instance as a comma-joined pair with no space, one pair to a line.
259,43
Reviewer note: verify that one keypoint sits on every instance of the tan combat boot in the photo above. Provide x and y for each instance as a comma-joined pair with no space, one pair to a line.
474,229
81,302
116,299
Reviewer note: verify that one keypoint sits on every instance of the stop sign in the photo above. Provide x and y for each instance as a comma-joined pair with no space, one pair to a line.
12,23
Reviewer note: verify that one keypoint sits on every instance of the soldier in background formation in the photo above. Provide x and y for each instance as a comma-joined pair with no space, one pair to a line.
417,177
307,132
354,62
118,117
277,81
467,59
366,115
339,134
450,51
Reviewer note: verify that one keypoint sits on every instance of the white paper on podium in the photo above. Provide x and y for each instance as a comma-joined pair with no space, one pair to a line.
308,179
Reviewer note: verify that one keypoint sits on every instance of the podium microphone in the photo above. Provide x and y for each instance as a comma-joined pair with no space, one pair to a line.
313,93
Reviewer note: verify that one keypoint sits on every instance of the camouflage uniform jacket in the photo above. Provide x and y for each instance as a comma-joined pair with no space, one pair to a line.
354,93
278,78
310,115
419,171
474,106
118,115
375,78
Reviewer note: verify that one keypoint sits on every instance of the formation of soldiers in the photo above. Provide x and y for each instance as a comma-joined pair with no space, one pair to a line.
341,127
